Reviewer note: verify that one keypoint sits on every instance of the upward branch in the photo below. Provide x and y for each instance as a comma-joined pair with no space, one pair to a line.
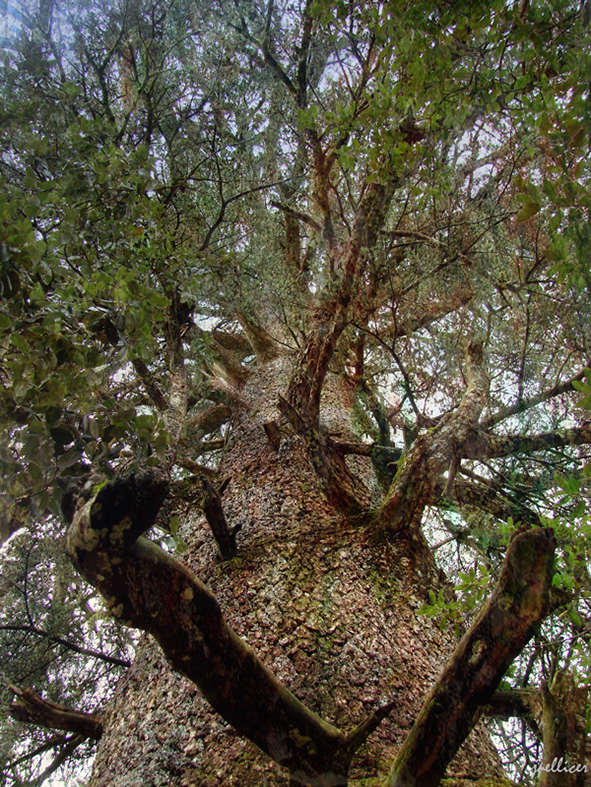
416,483
520,601
333,314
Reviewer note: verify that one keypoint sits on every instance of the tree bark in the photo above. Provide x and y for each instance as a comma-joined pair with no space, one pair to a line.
328,606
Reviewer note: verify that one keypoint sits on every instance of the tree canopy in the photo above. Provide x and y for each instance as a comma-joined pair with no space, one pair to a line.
395,193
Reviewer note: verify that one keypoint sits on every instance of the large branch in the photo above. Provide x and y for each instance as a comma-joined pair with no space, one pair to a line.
147,588
483,446
520,601
31,708
332,316
509,704
415,484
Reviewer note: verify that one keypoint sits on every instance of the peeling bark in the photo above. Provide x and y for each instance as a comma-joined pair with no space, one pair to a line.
519,603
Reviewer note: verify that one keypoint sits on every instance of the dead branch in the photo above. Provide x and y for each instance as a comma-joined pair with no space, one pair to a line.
214,513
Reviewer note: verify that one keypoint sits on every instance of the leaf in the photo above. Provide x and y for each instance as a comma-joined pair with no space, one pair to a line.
585,402
173,524
529,210
20,342
62,435
69,458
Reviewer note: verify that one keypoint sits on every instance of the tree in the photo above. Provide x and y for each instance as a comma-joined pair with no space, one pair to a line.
300,289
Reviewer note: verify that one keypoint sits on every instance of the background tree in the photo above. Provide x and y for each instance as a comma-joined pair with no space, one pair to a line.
301,288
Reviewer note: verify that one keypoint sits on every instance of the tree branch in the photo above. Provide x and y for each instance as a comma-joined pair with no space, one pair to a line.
483,446
32,629
31,708
422,237
150,384
214,513
332,316
520,703
357,737
416,481
296,214
520,601
147,588
532,401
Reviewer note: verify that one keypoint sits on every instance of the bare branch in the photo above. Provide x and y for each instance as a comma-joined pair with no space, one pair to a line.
532,401
94,654
33,709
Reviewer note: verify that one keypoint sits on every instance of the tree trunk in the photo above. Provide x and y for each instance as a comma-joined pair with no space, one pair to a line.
327,603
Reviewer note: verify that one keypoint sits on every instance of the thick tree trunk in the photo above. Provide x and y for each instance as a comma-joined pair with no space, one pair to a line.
326,603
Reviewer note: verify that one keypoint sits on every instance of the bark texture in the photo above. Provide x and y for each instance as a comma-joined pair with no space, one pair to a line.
328,605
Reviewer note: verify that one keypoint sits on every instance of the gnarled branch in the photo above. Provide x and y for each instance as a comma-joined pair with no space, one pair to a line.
147,588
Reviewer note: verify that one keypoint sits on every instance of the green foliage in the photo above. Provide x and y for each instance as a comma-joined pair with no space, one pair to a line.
469,594
145,153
